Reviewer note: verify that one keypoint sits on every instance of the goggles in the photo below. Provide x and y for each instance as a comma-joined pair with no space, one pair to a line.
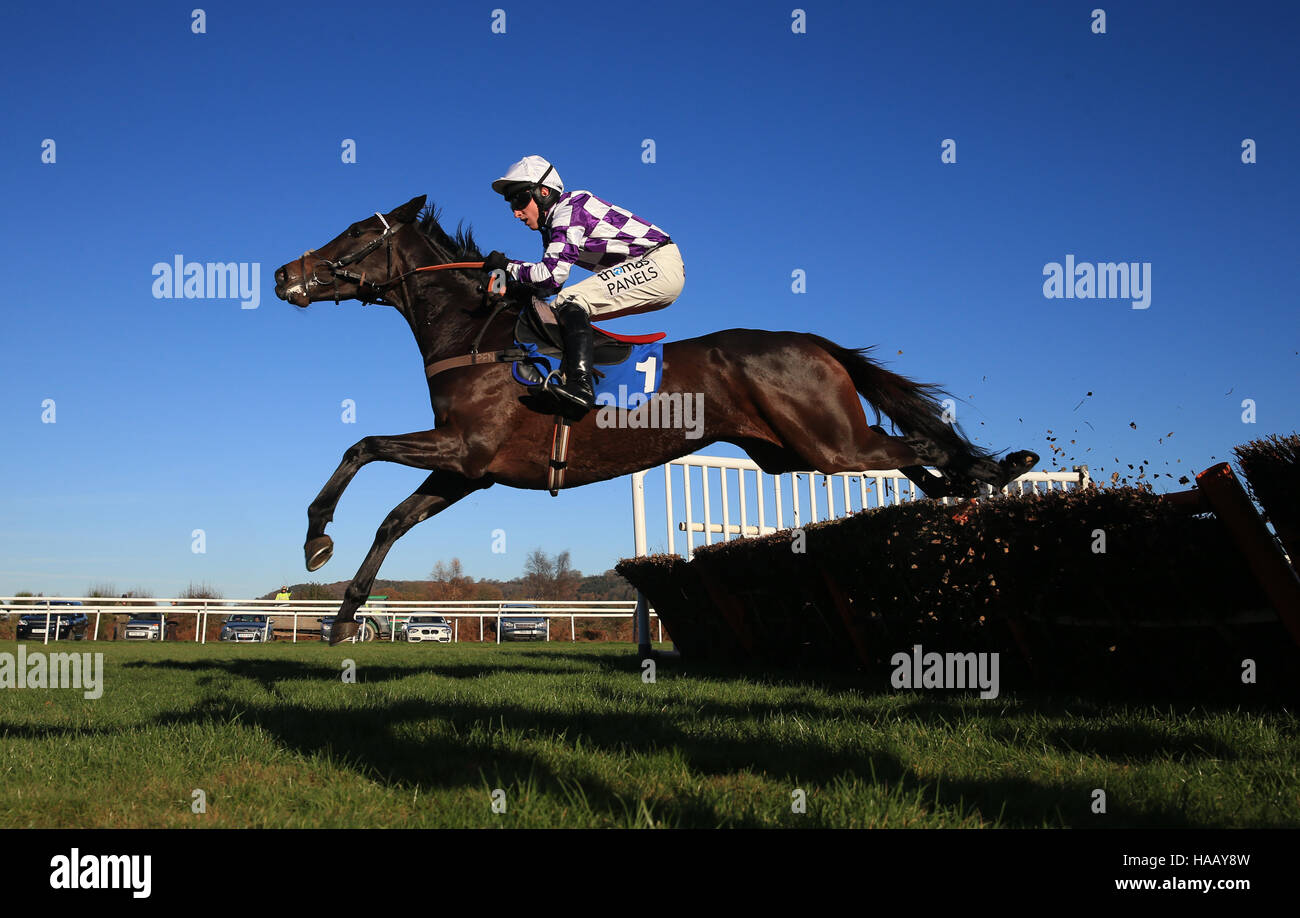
519,200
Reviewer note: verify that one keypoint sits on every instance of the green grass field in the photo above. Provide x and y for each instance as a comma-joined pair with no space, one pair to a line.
574,737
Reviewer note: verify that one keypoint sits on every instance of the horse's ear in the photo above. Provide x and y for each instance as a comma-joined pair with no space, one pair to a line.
408,211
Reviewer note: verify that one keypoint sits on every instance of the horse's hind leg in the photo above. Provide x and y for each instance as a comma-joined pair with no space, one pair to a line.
821,426
439,491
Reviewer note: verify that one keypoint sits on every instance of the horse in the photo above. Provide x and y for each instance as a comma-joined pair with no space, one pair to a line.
788,399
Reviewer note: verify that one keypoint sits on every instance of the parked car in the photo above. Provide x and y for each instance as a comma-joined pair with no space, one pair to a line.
65,624
246,627
523,627
148,626
426,628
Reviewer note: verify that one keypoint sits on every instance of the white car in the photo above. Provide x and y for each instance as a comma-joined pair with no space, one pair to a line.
427,628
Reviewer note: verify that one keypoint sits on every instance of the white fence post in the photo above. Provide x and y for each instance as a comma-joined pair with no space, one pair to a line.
890,486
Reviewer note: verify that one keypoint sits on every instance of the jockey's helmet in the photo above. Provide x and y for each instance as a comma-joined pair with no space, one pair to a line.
526,179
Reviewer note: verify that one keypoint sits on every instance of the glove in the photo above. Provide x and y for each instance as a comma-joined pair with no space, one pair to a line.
494,261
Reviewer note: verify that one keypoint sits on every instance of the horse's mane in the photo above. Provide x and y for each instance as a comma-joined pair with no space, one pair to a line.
458,247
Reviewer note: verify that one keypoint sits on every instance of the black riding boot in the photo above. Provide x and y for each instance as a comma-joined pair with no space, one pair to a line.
575,396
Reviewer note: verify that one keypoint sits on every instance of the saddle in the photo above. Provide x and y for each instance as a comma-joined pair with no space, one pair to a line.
537,335
538,352
537,338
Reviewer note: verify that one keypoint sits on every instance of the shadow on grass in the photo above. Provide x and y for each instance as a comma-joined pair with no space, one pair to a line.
382,743
464,746
270,673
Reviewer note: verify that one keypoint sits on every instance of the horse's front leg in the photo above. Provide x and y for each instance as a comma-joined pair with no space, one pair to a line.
439,491
429,449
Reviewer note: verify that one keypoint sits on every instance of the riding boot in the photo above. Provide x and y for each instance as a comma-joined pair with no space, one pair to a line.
575,396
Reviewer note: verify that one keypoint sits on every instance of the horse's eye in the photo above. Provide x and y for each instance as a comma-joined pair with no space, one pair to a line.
354,232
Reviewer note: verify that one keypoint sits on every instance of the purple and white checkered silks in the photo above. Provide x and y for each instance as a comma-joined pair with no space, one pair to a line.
584,230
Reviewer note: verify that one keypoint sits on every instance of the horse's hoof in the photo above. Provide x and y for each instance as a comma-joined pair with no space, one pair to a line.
343,631
1018,463
318,551
934,486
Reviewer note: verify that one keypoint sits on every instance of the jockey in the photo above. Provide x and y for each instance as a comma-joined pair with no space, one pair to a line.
581,229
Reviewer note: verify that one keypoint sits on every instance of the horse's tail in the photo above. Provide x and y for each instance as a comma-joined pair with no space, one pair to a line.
914,407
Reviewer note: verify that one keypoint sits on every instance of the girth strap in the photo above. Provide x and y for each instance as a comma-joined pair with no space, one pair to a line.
559,456
469,360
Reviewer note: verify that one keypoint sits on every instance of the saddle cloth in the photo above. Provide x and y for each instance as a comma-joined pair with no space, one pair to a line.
629,368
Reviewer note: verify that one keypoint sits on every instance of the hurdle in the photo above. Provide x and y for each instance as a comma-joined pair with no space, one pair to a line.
734,498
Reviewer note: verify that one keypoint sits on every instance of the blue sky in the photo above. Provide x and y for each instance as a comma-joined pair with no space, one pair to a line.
775,151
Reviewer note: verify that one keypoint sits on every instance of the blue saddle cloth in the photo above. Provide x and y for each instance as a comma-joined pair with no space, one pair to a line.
625,384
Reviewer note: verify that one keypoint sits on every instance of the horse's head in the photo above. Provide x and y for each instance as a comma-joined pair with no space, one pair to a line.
355,264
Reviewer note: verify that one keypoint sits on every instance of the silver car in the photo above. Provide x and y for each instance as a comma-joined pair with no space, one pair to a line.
148,626
515,627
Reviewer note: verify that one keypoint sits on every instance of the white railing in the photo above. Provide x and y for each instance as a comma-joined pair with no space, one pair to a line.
307,613
799,497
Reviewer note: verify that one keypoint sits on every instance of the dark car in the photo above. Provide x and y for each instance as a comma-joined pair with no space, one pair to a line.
64,623
148,626
246,628
515,627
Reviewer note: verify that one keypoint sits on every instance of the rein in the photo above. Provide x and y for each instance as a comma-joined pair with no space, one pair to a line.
491,290
496,287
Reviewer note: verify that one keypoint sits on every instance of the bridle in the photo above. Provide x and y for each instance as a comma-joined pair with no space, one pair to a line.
337,269
495,288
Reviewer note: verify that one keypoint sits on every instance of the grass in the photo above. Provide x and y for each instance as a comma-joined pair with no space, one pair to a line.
574,737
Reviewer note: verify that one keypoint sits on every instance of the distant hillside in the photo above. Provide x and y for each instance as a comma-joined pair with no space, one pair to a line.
606,586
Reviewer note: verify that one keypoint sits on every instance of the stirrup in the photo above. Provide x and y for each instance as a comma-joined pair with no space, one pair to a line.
555,399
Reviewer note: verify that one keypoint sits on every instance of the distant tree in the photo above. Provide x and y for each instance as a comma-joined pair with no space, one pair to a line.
514,589
550,578
566,578
539,574
606,586
312,590
487,590
135,593
450,582
102,591
200,591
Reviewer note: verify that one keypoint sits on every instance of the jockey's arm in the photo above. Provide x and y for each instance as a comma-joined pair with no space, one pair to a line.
551,273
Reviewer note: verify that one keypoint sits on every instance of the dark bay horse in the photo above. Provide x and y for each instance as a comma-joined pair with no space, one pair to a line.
789,399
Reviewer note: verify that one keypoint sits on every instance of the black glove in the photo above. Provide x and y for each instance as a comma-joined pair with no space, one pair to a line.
494,261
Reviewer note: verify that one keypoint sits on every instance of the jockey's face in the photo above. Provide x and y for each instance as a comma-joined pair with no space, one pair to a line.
528,214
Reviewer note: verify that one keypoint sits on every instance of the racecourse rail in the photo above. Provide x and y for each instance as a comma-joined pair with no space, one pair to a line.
394,612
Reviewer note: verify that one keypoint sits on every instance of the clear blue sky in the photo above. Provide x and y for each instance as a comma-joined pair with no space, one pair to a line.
775,151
